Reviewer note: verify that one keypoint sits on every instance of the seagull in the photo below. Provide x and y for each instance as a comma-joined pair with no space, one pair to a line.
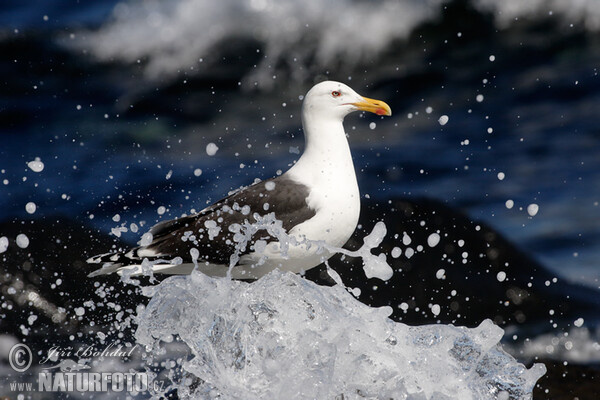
290,222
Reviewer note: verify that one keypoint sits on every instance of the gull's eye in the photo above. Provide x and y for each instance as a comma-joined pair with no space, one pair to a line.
335,93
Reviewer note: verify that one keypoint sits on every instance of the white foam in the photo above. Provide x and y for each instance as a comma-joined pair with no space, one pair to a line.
185,32
585,12
579,345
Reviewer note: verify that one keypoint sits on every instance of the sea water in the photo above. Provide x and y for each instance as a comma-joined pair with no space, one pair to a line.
288,338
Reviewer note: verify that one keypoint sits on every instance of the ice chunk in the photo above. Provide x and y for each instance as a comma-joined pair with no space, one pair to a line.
443,120
3,244
283,337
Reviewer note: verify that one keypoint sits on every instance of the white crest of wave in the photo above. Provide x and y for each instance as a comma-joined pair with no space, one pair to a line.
571,11
283,337
173,35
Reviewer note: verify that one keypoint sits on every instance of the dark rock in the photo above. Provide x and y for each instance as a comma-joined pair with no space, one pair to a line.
469,290
568,382
48,280
58,248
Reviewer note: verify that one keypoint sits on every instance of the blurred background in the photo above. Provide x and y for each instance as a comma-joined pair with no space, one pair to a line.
117,115
119,101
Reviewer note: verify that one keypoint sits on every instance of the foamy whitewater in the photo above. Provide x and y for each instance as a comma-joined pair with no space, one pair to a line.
187,33
284,337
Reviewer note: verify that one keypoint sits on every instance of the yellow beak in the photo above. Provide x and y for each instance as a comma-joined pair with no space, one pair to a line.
375,106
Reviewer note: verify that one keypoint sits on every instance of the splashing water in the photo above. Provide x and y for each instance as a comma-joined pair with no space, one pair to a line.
285,337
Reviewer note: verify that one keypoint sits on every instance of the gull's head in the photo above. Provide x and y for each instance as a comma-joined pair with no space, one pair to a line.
336,100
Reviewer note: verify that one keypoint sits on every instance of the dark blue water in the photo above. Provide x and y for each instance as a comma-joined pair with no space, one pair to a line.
110,111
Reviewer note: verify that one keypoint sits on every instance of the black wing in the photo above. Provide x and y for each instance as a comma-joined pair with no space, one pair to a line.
281,196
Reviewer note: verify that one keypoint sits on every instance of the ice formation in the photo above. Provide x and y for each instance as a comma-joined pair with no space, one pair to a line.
283,337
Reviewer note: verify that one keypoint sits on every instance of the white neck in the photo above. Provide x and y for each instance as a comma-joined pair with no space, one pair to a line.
326,154
326,168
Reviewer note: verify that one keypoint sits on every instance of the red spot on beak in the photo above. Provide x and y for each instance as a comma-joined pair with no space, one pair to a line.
381,111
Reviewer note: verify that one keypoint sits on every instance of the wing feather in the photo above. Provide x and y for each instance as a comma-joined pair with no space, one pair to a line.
283,196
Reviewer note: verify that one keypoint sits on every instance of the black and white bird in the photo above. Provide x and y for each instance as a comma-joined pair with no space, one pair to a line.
316,201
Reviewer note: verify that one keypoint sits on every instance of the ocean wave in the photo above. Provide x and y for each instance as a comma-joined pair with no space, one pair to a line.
302,39
173,36
299,38
571,12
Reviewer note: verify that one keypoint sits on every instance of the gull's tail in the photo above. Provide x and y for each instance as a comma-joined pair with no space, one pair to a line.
133,264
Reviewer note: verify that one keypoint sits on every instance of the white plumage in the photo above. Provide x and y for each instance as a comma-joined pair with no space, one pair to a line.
316,202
